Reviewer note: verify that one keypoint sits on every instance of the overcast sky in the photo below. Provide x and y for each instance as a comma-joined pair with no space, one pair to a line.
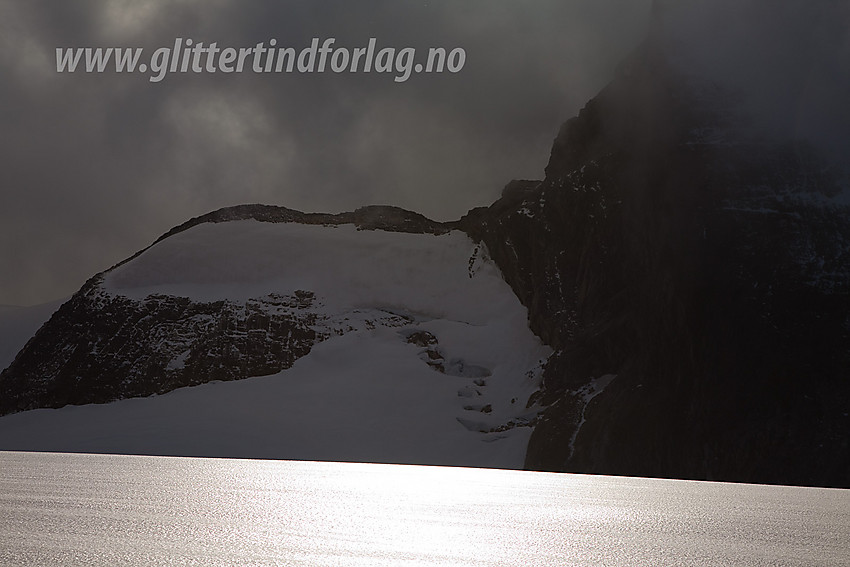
94,167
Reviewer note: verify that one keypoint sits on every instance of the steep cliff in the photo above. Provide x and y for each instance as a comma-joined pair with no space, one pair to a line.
693,279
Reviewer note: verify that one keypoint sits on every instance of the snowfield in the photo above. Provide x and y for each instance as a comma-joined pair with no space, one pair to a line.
428,360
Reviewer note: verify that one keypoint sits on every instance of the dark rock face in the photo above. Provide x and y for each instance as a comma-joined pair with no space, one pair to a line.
710,278
100,347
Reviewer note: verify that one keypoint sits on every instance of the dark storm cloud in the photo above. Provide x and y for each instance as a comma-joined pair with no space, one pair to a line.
94,167
786,61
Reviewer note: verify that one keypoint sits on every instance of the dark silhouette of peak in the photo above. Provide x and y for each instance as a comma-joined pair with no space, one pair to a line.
704,267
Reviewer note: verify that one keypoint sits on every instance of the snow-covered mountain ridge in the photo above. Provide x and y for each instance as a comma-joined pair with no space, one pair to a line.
233,299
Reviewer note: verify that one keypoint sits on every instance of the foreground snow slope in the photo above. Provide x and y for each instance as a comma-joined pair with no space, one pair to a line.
425,357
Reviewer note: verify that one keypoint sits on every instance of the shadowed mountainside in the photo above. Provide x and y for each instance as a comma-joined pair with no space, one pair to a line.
701,272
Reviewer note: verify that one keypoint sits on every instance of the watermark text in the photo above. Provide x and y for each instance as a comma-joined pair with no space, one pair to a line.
187,56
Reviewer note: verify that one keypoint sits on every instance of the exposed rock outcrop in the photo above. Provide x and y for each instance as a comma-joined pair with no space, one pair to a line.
99,347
